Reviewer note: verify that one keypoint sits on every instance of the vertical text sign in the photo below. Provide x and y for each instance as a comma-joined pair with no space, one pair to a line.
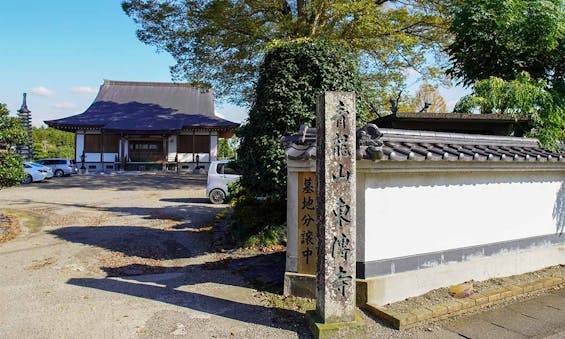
307,233
335,167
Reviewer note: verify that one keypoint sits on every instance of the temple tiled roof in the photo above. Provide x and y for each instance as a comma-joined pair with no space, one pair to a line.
408,145
147,107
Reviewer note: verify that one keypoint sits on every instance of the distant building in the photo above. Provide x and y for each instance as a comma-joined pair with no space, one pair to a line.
487,124
147,126
26,150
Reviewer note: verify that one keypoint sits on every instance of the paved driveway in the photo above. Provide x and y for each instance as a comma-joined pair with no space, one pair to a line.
123,257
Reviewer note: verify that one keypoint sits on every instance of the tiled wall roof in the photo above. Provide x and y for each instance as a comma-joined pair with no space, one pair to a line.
408,145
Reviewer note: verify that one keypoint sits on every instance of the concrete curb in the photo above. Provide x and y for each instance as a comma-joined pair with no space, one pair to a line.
455,307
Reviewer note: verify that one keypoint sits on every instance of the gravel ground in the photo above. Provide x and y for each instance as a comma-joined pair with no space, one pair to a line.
124,257
141,257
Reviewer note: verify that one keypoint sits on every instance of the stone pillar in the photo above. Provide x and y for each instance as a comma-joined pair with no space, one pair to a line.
336,220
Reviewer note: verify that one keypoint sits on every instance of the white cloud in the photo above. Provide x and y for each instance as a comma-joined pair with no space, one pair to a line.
65,105
83,89
410,71
450,104
42,91
220,115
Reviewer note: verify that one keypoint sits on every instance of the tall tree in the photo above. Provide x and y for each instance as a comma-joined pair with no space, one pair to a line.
522,96
221,42
11,134
428,99
52,143
495,42
503,38
227,148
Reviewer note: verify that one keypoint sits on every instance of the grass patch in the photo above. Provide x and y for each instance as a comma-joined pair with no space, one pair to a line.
289,302
270,236
30,220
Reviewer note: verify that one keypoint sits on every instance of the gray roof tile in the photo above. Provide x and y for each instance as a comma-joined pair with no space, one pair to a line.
410,145
147,106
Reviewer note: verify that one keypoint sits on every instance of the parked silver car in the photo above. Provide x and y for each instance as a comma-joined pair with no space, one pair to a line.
60,166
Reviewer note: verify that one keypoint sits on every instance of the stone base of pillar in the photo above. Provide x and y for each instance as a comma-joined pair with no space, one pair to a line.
353,329
304,285
300,285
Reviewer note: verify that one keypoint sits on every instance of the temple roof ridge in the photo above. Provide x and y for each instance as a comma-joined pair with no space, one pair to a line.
153,84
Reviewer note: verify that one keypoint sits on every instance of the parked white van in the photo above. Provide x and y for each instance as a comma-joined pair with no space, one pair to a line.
220,174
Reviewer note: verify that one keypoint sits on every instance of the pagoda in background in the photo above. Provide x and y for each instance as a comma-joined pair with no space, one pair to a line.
26,150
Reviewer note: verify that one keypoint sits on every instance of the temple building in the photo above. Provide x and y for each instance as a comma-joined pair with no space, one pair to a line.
147,126
486,124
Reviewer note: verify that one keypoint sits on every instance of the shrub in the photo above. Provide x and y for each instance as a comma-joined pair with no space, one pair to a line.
11,169
257,222
11,134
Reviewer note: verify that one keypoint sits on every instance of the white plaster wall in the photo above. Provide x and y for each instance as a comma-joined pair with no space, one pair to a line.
126,148
187,157
79,147
292,222
172,148
184,157
202,157
109,157
396,287
214,147
413,213
92,157
360,217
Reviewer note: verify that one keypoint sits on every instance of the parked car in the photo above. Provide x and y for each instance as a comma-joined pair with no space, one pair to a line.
44,169
60,166
32,174
220,174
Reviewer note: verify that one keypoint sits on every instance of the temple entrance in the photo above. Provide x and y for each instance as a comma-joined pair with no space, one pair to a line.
145,154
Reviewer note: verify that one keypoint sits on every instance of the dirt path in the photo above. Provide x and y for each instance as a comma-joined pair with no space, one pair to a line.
124,256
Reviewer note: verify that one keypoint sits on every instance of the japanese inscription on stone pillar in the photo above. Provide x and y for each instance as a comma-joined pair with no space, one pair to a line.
335,167
307,233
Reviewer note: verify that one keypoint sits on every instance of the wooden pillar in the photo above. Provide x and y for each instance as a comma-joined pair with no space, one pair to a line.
102,149
165,155
194,146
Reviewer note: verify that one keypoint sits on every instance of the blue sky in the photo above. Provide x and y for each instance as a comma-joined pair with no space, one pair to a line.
59,52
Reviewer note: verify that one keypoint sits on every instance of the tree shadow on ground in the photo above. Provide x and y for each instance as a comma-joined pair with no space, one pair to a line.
223,307
168,284
190,213
138,241
126,182
187,200
264,272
